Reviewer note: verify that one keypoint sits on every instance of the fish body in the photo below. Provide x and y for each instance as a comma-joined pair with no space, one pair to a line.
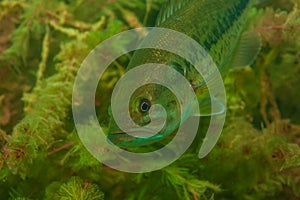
217,25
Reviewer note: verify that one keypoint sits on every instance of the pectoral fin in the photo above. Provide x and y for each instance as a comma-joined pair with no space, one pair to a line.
247,50
211,106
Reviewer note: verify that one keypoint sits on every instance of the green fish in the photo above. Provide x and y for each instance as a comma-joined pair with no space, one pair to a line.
217,25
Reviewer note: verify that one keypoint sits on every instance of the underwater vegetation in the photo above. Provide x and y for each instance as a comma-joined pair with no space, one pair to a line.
42,45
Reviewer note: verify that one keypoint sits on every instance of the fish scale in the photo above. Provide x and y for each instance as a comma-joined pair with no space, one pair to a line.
214,24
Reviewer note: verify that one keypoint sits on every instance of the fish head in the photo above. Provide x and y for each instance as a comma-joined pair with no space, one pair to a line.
156,113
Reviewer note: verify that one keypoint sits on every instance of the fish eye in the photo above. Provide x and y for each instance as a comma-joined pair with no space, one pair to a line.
145,106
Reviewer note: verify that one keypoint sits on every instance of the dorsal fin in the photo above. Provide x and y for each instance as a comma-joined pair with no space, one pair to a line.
168,9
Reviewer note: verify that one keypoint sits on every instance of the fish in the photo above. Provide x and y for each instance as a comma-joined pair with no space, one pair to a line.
218,26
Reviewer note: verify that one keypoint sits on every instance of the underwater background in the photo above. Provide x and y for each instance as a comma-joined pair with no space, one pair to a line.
42,45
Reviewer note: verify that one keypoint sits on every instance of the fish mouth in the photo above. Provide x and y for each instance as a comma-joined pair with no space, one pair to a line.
143,135
124,140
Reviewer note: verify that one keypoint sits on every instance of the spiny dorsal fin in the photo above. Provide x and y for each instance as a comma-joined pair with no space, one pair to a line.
247,50
168,9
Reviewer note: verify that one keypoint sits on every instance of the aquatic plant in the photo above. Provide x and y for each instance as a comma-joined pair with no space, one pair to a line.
42,44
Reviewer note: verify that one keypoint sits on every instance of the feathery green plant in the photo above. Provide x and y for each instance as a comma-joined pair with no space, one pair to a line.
41,156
